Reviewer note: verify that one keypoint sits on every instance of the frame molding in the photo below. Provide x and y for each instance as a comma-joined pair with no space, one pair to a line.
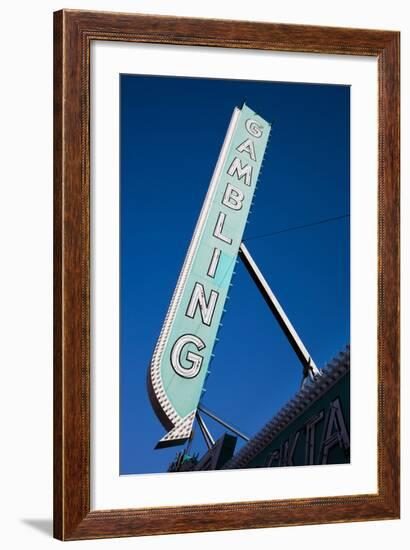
73,32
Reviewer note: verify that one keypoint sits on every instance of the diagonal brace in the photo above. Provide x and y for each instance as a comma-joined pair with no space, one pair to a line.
309,366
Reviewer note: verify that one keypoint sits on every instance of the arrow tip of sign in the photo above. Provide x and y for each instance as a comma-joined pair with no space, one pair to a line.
179,434
164,444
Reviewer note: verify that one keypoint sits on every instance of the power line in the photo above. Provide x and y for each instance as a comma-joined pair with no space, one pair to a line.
295,227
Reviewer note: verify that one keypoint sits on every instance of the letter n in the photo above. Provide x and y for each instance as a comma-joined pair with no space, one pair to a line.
206,308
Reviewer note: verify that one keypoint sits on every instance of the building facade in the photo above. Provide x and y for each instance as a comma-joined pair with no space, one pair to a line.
311,428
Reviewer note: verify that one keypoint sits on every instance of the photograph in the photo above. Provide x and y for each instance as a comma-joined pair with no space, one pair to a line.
204,271
234,274
226,242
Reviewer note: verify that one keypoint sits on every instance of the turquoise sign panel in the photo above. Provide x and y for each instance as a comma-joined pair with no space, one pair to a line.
181,358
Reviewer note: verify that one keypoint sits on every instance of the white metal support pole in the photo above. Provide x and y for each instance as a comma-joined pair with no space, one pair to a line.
209,440
223,423
309,366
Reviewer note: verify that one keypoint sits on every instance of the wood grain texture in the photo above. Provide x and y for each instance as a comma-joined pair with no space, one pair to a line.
73,32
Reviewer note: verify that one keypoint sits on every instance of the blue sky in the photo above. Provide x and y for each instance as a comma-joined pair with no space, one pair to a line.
171,132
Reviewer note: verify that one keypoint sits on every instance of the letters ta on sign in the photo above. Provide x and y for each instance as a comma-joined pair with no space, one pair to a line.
181,357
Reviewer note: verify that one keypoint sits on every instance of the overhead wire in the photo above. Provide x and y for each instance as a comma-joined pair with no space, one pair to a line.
296,227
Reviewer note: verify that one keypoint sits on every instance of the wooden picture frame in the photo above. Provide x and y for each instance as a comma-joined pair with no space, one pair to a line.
73,33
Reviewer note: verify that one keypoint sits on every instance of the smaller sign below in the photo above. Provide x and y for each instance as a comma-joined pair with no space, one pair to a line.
213,459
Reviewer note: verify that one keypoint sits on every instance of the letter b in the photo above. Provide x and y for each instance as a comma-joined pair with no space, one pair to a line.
233,197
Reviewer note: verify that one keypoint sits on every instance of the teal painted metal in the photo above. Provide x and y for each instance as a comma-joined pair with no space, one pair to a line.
313,427
183,352
314,437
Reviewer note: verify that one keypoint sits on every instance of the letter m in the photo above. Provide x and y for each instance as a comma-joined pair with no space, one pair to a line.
241,171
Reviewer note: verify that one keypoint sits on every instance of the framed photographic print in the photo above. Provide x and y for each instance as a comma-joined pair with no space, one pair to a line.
226,275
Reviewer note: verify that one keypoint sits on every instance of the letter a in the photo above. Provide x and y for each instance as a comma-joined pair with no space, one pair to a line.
247,147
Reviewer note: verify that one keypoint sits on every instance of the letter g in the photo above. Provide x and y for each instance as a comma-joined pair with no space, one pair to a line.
194,359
